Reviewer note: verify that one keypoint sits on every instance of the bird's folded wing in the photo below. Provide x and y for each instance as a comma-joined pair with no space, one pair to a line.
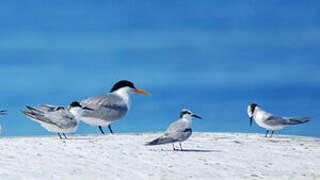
107,106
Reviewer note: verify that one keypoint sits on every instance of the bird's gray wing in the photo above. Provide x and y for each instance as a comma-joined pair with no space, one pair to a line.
297,120
47,107
39,118
50,108
34,110
276,120
177,131
107,107
177,126
62,117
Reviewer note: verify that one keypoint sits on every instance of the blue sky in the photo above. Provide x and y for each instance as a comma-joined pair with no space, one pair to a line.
213,57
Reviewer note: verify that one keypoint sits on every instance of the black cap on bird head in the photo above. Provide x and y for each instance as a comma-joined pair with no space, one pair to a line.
121,84
186,111
75,104
125,83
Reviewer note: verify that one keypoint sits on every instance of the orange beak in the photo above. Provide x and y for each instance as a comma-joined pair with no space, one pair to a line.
141,91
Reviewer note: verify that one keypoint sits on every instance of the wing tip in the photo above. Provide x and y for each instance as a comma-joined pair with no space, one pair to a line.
33,110
152,143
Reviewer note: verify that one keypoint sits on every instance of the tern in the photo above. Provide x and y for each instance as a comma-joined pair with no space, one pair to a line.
2,112
177,131
270,121
102,110
57,119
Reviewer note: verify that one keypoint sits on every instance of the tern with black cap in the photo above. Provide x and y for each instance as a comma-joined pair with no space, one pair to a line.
104,109
270,121
177,131
2,112
57,119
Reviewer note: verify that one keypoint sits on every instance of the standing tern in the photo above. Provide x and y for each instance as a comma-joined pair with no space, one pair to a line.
2,112
270,121
57,119
104,109
177,131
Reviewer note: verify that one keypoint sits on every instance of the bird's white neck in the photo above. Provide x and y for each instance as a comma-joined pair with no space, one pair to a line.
124,93
188,119
260,115
76,112
257,111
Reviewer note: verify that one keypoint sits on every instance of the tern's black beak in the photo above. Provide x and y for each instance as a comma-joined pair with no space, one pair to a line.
196,116
251,121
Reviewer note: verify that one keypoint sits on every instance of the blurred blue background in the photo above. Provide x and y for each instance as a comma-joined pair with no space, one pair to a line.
213,57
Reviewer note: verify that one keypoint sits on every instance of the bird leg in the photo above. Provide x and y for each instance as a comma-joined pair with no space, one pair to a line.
267,133
109,126
59,135
174,147
180,146
64,136
100,127
272,133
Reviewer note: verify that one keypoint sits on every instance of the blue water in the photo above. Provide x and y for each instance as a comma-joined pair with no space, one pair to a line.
213,57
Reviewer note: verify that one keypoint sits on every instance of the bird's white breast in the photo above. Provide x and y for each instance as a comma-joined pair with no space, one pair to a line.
260,118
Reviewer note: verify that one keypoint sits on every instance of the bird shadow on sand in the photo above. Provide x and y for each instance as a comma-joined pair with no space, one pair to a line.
188,150
197,150
85,137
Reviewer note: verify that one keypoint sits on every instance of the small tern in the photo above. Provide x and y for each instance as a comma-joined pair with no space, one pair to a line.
102,110
2,112
270,121
57,119
177,131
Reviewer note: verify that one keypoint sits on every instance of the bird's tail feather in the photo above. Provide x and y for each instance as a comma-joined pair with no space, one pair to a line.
160,140
299,120
47,107
33,110
39,118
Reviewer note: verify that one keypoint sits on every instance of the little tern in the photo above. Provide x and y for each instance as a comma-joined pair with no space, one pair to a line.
270,121
57,119
177,131
2,112
102,110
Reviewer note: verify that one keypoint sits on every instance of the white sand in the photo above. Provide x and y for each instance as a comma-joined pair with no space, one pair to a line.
123,156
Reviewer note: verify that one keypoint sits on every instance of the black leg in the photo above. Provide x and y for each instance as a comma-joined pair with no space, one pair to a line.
64,136
267,133
174,147
272,133
59,135
110,129
101,129
180,146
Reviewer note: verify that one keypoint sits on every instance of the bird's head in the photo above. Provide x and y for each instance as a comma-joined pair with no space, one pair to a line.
251,109
128,87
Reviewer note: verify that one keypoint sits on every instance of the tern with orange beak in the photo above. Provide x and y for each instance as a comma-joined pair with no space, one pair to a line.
102,110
